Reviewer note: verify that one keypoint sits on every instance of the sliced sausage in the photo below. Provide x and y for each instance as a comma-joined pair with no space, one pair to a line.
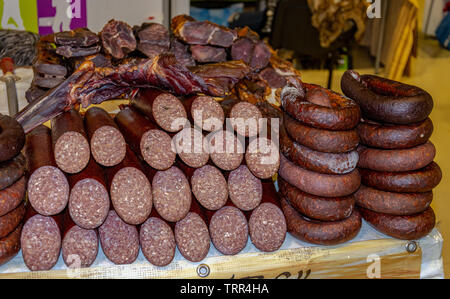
395,136
402,227
316,207
422,180
119,240
401,204
321,140
244,117
321,233
146,139
70,143
263,157
226,150
209,187
48,188
205,112
161,107
192,147
245,190
324,185
106,141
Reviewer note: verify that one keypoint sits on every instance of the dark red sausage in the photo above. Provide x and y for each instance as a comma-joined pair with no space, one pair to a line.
321,233
401,204
48,188
70,142
267,224
316,207
10,245
325,163
130,190
163,108
396,160
89,197
41,240
385,100
324,185
422,180
119,240
205,112
146,139
11,197
321,140
321,108
12,170
157,240
12,138
10,221
79,246
395,137
106,141
192,234
402,227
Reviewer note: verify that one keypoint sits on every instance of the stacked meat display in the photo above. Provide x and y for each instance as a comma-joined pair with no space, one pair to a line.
396,156
318,174
12,187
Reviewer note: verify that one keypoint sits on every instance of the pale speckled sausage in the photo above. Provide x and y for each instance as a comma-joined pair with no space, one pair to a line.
401,204
120,241
171,194
145,139
40,242
48,188
321,233
205,112
226,150
422,180
10,221
12,196
163,108
12,170
396,160
326,163
244,189
324,185
395,136
70,143
209,187
89,198
402,227
229,230
79,247
10,245
316,207
106,141
262,157
191,147
321,140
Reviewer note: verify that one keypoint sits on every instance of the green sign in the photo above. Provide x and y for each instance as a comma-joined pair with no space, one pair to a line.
19,15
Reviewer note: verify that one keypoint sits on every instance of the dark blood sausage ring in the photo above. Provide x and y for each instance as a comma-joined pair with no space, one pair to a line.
12,170
422,180
11,220
315,207
12,196
326,163
12,138
401,204
321,233
402,227
10,245
324,185
321,140
395,137
396,160
385,100
321,108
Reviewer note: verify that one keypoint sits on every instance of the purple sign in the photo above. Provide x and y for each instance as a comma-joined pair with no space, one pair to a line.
61,15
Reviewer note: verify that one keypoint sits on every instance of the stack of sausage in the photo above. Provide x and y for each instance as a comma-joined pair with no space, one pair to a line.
12,187
119,180
318,174
396,156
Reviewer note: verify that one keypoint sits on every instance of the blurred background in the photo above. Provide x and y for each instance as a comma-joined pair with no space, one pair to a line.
405,40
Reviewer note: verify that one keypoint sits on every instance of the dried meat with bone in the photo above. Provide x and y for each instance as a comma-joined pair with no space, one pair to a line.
153,39
181,52
250,49
195,32
205,54
118,39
